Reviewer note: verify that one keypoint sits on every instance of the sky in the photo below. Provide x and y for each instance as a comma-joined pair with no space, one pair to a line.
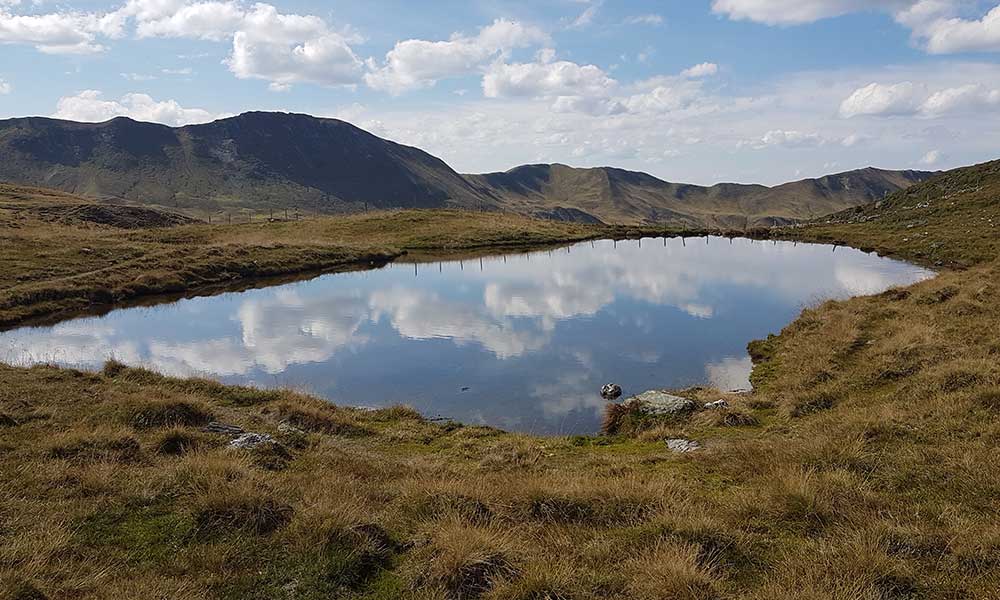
697,91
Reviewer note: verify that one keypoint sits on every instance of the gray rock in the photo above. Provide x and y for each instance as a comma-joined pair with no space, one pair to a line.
611,391
718,404
249,441
683,446
661,404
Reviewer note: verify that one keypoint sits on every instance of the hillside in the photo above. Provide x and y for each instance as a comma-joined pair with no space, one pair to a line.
616,195
22,206
261,161
952,219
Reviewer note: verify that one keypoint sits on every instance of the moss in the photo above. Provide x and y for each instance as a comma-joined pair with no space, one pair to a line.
142,534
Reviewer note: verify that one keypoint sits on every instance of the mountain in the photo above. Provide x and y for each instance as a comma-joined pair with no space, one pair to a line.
616,195
261,160
952,218
264,160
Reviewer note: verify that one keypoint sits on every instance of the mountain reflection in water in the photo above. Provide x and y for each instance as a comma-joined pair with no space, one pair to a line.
521,342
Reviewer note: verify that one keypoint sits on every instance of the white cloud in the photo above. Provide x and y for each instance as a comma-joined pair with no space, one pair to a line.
936,24
908,99
183,71
947,36
650,19
414,64
546,79
931,158
880,99
791,139
968,98
285,49
214,21
5,87
138,77
705,69
795,12
90,106
57,33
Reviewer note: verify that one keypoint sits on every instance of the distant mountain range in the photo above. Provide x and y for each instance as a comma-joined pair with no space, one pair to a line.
276,160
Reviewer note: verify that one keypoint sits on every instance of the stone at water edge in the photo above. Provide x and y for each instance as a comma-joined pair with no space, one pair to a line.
683,446
662,404
611,391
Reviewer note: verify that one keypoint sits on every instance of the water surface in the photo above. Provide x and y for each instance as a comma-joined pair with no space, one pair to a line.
523,342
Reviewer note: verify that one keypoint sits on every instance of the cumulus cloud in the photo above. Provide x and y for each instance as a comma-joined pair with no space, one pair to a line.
214,21
908,99
966,98
705,69
881,99
90,106
546,79
414,64
58,33
936,24
287,49
947,36
266,44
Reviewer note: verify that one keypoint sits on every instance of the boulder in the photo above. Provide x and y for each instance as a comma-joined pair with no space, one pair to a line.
611,391
662,404
718,404
683,446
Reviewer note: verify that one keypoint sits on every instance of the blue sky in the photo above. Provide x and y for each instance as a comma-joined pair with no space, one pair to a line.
695,91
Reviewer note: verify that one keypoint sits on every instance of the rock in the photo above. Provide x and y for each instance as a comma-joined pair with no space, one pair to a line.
718,404
611,391
216,427
662,404
249,441
683,446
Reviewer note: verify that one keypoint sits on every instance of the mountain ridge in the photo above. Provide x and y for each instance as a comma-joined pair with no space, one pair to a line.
263,160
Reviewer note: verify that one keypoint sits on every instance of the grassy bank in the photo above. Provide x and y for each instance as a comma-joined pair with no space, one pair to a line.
862,467
62,254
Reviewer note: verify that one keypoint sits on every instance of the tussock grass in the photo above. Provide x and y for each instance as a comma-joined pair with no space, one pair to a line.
863,466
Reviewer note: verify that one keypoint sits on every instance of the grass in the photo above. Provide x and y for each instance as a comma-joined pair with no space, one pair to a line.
863,466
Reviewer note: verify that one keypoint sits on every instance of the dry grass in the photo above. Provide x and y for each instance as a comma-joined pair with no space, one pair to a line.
862,467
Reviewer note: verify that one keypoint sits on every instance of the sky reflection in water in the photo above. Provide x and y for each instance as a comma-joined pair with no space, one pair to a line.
522,342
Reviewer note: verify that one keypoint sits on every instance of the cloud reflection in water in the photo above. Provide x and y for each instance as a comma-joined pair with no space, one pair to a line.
532,336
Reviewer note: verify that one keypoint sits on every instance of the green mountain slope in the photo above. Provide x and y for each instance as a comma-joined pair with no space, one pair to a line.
263,161
257,160
616,195
951,219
